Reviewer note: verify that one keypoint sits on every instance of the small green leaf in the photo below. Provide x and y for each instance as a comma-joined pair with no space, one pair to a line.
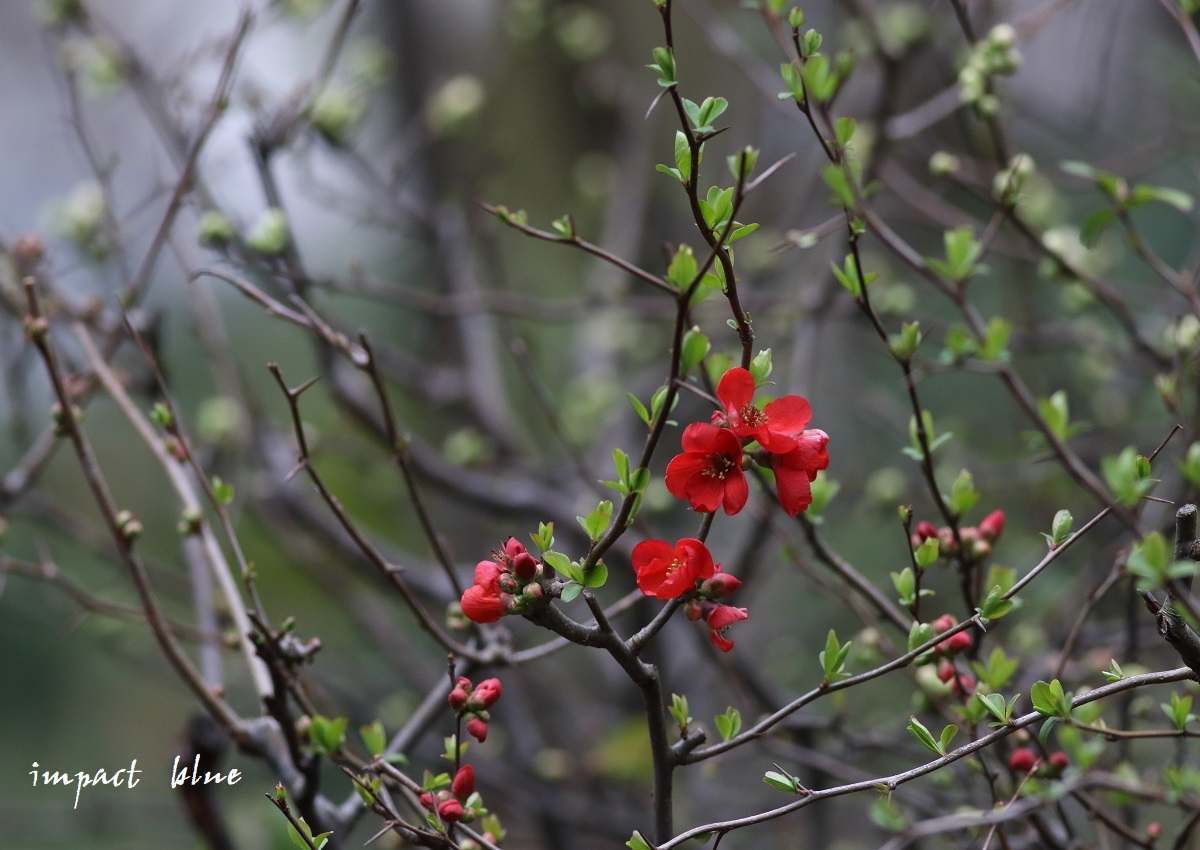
636,842
947,736
664,66
679,711
918,730
640,409
906,586
694,349
963,494
571,591
596,576
1179,712
927,553
919,635
373,737
1050,700
327,735
222,492
729,723
780,782
994,606
844,131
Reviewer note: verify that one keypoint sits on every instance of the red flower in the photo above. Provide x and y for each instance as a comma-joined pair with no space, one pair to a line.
709,472
795,470
450,811
775,426
485,695
667,572
464,782
483,601
1022,760
478,729
719,619
992,526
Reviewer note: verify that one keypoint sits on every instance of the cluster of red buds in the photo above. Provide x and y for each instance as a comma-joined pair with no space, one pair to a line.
472,703
505,584
977,540
453,805
1024,760
716,615
961,684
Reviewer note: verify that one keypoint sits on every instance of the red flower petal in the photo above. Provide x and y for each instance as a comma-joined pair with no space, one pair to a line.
481,605
736,389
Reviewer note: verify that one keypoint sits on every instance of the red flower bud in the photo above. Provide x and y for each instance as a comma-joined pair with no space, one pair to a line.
924,530
525,566
485,695
694,610
426,800
478,729
464,782
719,585
956,643
1154,830
450,811
944,623
1059,762
945,670
458,699
1022,760
513,548
992,526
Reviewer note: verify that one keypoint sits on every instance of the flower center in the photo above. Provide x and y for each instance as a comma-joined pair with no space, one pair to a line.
673,566
719,465
751,416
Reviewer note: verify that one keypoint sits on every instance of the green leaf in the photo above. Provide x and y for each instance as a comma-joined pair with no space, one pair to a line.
963,494
664,66
919,635
544,538
906,586
596,576
373,738
780,782
810,43
839,184
679,711
904,344
1114,673
844,131
682,270
636,842
597,521
1126,475
640,409
729,723
927,553
997,671
994,606
1141,194
1179,711
1060,529
833,657
962,255
327,735
1095,224
710,110
564,227
918,730
563,565
1150,560
793,81
1190,465
694,349
571,591
995,341
761,366
222,492
850,279
947,736
1050,700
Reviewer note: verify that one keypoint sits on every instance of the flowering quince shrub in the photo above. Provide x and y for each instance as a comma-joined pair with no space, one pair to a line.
974,625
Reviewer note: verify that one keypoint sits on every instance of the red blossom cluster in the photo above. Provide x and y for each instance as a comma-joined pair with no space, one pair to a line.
1024,760
709,473
668,572
503,585
977,540
472,703
452,805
